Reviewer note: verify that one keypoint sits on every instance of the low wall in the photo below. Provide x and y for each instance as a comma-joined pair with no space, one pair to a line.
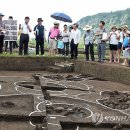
116,73
28,63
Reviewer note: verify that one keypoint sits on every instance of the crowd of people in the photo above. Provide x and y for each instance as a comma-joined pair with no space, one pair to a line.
65,43
118,39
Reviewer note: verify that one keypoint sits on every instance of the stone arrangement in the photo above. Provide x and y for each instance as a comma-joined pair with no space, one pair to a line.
117,100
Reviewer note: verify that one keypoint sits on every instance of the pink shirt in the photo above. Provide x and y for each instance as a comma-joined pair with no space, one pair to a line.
54,32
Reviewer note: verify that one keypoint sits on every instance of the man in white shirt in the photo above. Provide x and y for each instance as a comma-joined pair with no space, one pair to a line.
75,37
24,37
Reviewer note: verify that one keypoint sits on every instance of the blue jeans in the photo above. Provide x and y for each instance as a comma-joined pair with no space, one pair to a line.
101,47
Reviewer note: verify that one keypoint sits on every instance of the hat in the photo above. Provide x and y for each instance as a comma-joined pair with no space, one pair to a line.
56,23
2,14
122,27
87,27
39,19
128,32
125,26
114,27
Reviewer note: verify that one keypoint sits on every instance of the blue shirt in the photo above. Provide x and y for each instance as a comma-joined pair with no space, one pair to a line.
60,45
89,37
126,42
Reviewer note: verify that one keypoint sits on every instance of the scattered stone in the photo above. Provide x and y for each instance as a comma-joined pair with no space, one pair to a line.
49,109
69,112
69,76
55,77
36,76
117,100
83,76
98,79
59,109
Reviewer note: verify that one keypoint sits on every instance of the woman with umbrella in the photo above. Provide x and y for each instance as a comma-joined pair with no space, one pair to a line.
61,17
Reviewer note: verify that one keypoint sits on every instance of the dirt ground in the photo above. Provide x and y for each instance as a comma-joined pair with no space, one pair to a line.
87,96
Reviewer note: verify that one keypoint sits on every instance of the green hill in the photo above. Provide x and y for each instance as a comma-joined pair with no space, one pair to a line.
112,18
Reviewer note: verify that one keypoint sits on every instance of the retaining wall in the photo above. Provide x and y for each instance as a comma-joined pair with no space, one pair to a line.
116,73
27,63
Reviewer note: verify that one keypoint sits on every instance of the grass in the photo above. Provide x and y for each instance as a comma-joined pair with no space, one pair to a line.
32,43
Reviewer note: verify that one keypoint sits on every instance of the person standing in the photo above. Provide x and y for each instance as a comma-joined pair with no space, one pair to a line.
54,33
114,38
126,48
120,42
75,37
24,37
101,42
9,42
2,31
39,32
88,41
60,46
65,35
125,29
15,44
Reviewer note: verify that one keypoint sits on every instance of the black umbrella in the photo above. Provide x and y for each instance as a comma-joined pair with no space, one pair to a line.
62,17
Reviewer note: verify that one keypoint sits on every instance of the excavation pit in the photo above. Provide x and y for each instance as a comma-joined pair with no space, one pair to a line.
59,101
20,105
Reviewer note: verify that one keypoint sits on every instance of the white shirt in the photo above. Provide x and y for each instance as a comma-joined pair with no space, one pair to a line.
113,38
121,37
76,35
65,36
24,29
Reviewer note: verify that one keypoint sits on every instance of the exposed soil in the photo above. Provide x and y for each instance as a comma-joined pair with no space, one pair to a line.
74,101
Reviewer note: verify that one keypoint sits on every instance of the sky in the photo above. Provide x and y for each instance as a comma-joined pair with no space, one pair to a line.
76,9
